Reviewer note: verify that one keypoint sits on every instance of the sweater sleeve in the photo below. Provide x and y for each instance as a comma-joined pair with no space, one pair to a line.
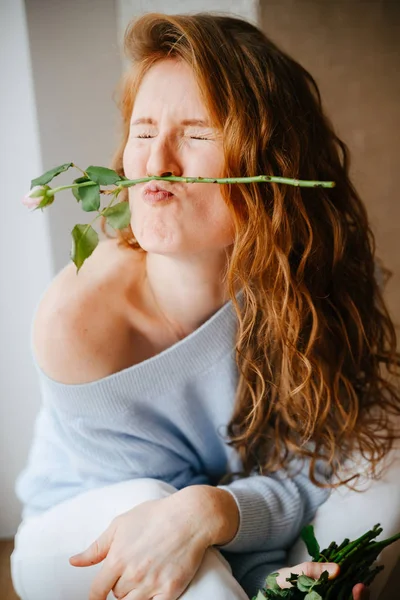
274,508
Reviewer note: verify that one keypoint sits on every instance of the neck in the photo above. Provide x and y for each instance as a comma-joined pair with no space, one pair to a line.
185,291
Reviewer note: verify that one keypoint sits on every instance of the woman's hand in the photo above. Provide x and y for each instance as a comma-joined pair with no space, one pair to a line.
151,551
315,570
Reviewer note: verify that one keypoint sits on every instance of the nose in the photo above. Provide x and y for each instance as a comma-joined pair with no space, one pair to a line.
162,160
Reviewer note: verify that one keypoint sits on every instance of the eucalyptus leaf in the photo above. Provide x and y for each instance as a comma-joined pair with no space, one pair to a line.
90,197
103,176
75,191
313,595
308,537
84,241
49,175
304,583
118,216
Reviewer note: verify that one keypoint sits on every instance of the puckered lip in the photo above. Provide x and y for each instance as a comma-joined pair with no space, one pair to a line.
153,186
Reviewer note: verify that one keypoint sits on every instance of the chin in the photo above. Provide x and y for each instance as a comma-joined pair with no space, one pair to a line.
154,246
159,239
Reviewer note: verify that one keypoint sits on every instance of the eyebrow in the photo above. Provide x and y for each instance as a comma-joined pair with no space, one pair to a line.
196,122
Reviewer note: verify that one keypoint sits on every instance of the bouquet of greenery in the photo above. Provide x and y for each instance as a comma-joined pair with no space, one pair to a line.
354,558
87,190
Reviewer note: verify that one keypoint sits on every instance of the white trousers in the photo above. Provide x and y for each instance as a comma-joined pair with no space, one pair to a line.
40,569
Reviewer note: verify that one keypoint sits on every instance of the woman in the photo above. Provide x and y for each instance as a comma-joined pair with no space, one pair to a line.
265,292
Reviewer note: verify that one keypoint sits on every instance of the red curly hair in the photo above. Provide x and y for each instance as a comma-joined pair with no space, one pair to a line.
316,347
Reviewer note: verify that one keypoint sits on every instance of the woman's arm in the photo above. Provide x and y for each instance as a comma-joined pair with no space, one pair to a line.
260,513
217,510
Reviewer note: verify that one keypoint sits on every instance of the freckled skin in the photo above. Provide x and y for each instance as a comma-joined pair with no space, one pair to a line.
198,220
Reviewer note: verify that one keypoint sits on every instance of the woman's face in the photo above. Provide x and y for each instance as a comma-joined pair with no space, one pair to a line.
196,219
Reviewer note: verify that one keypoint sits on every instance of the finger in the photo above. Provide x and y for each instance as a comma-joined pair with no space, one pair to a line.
361,592
310,569
138,594
96,551
104,582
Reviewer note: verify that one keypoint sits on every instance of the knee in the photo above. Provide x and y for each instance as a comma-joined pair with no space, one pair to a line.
15,575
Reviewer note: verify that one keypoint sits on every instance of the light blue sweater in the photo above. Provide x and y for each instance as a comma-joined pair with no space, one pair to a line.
166,418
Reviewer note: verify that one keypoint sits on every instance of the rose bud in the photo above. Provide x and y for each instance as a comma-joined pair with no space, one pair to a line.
36,196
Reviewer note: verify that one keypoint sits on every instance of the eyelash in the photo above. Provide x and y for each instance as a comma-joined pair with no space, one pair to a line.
146,136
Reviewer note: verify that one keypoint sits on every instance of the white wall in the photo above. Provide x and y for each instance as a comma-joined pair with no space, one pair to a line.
76,65
59,65
25,262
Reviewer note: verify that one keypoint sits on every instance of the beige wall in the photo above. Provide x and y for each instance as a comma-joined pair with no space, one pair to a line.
352,48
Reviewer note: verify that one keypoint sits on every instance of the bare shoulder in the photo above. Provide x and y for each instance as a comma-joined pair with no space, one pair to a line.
79,327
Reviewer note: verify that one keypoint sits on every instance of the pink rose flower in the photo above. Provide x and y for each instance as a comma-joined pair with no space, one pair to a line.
34,197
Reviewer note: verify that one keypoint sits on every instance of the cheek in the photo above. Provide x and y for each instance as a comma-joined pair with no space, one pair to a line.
217,216
225,217
132,162
226,224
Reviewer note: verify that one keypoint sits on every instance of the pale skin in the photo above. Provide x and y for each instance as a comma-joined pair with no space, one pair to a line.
149,302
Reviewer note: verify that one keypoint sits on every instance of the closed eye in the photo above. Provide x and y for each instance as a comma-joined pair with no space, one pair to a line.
144,136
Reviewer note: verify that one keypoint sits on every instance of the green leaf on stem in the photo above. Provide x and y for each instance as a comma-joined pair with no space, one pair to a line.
76,191
305,583
313,595
102,176
84,241
118,216
270,582
323,579
292,578
49,175
90,197
308,537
